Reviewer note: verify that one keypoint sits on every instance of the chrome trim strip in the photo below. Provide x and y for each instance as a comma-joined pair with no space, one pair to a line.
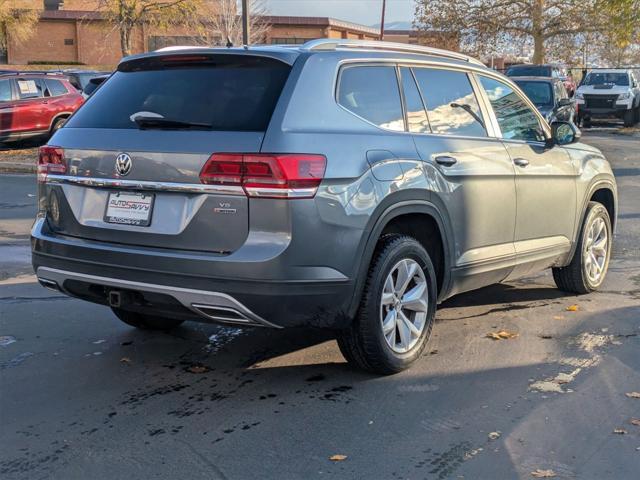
145,185
281,192
186,296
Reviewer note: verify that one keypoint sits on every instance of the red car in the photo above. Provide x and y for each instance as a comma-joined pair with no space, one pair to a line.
34,104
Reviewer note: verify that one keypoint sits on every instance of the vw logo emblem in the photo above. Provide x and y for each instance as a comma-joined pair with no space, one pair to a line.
123,164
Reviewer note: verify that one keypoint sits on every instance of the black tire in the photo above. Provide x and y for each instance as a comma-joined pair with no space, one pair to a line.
364,344
57,125
146,322
574,278
637,117
629,117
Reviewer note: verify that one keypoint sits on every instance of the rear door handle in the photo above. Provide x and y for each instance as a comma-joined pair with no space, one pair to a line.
446,160
521,162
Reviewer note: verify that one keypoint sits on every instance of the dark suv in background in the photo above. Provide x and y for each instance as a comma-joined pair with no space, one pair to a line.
544,70
34,104
342,185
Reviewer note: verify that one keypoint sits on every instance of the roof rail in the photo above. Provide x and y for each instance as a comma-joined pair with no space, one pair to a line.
333,44
31,72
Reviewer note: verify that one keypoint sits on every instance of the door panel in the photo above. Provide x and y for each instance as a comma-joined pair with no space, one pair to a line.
545,179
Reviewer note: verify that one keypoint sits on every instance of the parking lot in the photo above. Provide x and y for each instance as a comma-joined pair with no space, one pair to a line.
84,396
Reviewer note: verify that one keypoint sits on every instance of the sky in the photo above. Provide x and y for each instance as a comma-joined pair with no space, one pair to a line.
366,12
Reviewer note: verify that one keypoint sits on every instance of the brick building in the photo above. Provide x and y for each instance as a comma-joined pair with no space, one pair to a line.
74,31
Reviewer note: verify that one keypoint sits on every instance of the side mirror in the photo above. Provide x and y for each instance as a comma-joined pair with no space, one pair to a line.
564,102
565,133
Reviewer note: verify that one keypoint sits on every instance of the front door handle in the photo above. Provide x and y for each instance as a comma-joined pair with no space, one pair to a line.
521,162
446,160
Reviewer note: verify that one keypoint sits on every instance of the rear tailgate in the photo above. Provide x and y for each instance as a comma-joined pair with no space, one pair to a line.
137,183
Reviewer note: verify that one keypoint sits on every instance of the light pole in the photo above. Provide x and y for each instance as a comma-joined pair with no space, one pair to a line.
245,22
384,5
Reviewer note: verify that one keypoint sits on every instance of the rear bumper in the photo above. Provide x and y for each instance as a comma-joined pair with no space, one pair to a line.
190,284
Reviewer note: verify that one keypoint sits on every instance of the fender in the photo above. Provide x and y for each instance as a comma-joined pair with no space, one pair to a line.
597,184
400,203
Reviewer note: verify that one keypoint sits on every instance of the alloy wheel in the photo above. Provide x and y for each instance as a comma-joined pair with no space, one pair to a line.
404,305
596,250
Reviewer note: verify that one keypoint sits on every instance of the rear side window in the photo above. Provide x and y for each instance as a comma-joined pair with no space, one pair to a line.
227,92
5,90
371,92
452,106
55,87
416,114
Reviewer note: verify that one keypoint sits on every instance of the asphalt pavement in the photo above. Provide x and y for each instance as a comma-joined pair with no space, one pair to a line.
83,396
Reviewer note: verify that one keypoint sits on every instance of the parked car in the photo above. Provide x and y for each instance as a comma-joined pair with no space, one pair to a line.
611,93
344,185
34,104
93,84
549,96
546,70
81,78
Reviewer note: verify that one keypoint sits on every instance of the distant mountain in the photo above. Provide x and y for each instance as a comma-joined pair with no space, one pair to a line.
395,25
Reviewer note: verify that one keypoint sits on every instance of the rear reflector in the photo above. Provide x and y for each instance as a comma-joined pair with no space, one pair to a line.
50,160
267,175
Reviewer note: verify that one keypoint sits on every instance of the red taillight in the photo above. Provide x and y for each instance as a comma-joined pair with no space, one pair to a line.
267,175
50,160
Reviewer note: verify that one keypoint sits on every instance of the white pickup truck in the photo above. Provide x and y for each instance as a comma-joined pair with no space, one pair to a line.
607,94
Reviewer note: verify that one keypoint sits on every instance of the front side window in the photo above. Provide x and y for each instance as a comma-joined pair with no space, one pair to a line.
371,92
5,90
516,119
29,88
452,107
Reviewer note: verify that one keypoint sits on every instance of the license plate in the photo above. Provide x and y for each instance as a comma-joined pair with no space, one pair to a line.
129,208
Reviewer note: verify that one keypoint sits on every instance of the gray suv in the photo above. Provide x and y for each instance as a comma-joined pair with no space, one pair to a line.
342,185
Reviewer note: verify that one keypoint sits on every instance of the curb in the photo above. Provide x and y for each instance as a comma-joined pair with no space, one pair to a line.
17,167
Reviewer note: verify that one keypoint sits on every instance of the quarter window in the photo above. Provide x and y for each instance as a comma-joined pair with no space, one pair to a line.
452,106
372,93
516,119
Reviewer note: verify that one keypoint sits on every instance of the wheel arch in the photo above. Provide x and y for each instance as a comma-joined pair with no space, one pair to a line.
58,116
602,191
388,218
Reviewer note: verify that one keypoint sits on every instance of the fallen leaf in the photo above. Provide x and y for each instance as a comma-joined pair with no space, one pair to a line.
620,431
572,308
633,394
125,360
635,421
501,335
337,458
558,317
546,336
539,473
197,369
494,435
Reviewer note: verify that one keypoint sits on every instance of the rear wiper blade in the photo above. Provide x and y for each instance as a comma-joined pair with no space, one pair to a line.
158,122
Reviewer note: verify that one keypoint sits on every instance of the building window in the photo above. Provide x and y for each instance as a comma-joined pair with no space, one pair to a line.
68,41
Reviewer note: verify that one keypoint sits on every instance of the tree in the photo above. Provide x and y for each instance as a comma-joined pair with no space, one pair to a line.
226,26
489,22
18,19
126,15
619,43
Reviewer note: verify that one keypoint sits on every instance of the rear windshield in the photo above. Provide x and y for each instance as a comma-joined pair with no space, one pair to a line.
607,79
227,92
539,93
529,71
